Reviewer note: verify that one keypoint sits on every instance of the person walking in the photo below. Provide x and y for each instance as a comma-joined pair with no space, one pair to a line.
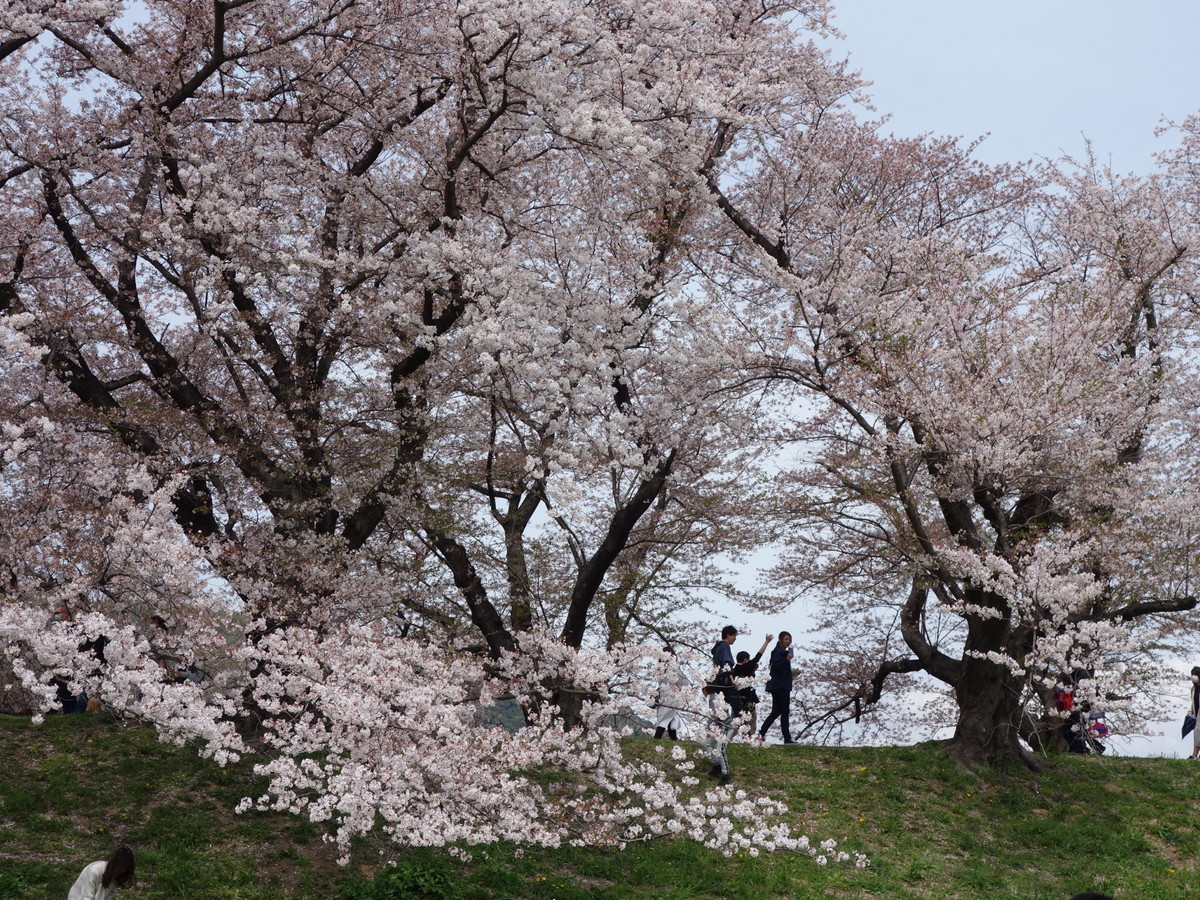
98,880
724,701
779,686
671,685
1194,712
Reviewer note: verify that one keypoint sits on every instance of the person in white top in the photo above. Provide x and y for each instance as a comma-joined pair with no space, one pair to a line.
672,697
100,879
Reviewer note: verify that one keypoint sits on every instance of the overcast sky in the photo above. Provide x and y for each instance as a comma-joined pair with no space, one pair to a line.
1037,76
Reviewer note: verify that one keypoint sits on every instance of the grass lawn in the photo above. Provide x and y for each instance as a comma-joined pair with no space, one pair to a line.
73,788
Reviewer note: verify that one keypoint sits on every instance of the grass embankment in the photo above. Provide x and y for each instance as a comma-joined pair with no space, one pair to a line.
73,788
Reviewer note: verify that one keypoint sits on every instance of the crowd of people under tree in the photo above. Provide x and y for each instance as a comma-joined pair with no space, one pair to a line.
732,698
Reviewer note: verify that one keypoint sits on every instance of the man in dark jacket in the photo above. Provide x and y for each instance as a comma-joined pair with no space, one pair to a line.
725,701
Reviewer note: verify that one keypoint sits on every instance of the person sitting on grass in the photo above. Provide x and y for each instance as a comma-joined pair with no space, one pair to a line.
98,880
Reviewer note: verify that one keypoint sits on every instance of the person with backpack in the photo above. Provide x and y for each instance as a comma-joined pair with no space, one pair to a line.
724,701
1073,728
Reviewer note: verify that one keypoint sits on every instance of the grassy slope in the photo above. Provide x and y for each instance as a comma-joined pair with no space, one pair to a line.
74,787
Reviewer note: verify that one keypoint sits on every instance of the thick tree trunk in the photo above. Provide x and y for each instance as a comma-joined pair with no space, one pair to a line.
989,715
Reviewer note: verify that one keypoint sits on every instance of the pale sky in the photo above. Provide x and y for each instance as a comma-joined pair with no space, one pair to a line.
1037,76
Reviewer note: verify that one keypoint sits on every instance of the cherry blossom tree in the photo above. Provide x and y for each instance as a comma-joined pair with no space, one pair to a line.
380,286
361,344
995,407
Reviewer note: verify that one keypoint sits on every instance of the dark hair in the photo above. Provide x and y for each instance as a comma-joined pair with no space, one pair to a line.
119,869
742,656
782,635
669,649
727,631
1196,670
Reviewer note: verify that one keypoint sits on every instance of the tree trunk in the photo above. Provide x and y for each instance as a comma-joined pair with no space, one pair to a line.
988,693
989,715
570,706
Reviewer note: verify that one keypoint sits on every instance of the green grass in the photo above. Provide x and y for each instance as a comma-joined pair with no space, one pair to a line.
74,787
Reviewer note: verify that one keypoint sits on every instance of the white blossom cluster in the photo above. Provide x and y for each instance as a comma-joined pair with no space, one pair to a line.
364,727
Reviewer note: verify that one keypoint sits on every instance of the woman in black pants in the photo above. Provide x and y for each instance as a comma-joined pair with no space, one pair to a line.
779,686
